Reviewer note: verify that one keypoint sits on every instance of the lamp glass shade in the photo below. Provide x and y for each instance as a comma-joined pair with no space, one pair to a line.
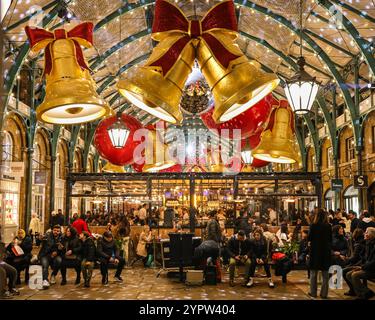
301,95
118,133
247,157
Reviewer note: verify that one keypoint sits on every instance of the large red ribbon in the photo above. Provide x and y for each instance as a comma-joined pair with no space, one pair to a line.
80,35
170,19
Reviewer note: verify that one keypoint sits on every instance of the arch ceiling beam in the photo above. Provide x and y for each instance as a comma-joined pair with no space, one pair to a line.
362,14
363,45
337,76
31,15
118,46
111,78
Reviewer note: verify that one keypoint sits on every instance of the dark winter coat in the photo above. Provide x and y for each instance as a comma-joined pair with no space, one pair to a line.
259,249
365,223
340,244
238,248
50,244
88,250
354,224
369,261
320,238
107,249
73,243
359,249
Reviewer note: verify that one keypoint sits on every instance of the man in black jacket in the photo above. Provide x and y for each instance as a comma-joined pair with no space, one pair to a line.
366,221
239,250
213,228
51,254
88,257
366,271
354,221
108,252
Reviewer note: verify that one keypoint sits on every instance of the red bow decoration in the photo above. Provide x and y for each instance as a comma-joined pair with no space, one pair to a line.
80,35
169,19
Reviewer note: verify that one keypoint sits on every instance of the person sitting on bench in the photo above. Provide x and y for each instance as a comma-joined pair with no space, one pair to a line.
259,246
356,277
72,255
108,252
50,254
88,257
19,254
239,250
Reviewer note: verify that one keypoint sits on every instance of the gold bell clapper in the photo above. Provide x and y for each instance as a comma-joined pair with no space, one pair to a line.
111,168
156,154
277,142
71,96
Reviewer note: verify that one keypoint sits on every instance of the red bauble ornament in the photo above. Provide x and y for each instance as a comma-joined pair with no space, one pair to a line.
118,156
250,122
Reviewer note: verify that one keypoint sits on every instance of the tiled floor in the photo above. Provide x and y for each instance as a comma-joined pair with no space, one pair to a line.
143,284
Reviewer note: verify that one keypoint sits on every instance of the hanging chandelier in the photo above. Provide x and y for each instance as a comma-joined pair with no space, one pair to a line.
302,88
118,133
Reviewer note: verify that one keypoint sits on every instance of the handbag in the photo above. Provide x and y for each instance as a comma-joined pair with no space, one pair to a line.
17,251
278,256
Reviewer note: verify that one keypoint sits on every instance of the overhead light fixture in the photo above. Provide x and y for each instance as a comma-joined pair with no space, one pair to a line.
118,133
302,88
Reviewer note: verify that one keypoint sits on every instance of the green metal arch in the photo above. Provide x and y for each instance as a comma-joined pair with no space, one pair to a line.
364,45
339,79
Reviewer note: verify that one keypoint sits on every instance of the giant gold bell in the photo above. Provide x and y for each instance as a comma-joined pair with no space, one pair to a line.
238,87
71,95
277,143
109,167
158,94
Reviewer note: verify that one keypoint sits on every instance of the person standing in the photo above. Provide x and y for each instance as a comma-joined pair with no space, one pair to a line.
122,233
34,227
354,221
320,239
81,225
213,228
143,215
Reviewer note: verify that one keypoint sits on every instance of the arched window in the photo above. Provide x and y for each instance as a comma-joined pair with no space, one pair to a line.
351,199
329,199
7,147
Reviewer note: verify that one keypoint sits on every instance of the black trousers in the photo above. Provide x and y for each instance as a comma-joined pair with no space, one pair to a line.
266,266
71,263
104,266
20,263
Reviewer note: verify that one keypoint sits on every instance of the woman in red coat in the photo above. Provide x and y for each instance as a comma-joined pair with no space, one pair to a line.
81,225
